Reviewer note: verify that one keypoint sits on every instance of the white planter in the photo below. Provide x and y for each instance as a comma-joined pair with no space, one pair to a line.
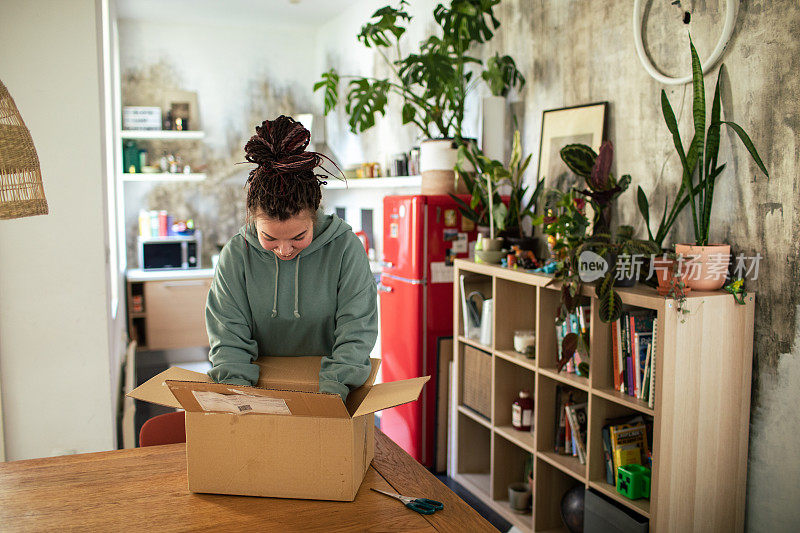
493,127
437,157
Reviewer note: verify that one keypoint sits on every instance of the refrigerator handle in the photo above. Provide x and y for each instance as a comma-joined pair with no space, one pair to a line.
384,288
386,264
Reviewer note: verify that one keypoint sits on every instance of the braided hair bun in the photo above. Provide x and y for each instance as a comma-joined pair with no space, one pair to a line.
283,184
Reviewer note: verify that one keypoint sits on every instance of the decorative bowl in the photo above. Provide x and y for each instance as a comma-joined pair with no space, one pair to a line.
491,257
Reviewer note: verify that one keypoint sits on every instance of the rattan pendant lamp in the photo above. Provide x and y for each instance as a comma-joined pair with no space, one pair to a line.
21,189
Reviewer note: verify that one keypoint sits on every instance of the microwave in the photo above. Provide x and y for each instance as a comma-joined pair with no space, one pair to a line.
164,253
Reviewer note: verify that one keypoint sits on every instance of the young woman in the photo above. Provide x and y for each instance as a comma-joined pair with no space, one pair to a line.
293,281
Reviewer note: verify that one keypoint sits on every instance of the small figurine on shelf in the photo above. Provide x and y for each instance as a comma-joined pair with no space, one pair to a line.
524,259
633,481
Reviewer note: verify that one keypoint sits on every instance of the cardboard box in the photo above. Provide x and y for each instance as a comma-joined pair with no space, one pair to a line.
281,438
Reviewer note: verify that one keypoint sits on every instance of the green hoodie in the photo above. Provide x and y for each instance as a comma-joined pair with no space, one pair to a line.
322,302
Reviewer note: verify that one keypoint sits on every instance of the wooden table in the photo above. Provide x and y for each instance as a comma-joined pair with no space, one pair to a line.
145,489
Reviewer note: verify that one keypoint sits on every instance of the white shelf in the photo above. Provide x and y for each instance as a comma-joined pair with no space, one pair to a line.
137,274
375,183
164,135
141,176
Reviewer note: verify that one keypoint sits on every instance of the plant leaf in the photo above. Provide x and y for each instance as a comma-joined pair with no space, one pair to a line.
408,113
364,101
330,82
610,306
672,125
748,144
516,150
579,158
568,346
644,208
601,170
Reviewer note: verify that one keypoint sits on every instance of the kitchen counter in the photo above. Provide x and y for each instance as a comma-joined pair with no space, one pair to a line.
137,274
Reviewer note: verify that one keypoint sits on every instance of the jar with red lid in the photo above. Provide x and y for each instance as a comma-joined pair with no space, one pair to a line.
522,412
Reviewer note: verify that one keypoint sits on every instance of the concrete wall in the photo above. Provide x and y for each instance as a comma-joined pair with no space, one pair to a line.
575,52
54,301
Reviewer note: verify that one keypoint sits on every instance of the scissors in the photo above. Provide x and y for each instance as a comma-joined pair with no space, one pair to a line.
420,505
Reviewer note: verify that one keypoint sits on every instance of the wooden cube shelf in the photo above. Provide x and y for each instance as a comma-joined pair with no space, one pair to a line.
700,414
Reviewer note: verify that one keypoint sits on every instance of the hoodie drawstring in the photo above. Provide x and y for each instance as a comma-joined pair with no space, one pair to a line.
296,289
275,296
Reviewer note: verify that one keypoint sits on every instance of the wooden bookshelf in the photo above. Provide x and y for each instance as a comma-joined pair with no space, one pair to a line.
700,415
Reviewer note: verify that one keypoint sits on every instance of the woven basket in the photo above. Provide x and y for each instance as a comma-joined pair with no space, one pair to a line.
477,379
21,189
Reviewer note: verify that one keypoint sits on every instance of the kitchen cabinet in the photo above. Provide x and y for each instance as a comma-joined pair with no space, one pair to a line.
166,310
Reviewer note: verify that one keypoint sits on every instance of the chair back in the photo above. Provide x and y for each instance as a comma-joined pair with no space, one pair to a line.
169,428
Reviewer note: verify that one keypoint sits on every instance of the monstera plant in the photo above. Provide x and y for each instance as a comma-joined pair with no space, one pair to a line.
601,186
432,83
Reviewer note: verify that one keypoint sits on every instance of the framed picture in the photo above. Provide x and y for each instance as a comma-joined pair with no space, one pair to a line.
585,124
183,105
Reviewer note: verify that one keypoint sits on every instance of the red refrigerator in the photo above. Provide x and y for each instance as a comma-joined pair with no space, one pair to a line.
421,237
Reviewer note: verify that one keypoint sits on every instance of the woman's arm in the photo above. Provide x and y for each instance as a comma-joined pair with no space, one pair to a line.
228,319
356,324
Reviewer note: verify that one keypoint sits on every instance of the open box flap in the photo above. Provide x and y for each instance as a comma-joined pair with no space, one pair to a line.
222,398
356,396
298,373
155,389
295,373
385,395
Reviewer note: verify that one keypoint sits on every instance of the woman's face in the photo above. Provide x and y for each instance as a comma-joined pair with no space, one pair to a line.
285,238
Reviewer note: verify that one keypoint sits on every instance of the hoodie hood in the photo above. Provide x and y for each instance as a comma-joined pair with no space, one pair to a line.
326,229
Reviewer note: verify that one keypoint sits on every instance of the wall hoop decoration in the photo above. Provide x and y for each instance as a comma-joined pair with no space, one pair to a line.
731,10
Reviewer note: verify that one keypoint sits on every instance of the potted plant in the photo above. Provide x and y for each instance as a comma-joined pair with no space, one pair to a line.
602,189
432,83
701,168
501,75
621,252
480,174
565,225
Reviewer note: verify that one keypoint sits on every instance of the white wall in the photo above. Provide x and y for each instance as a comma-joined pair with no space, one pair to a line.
224,64
54,361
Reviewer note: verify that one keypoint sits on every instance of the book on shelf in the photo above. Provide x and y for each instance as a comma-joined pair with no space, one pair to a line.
579,324
606,434
651,392
646,378
633,353
577,419
642,343
628,443
616,359
568,448
560,422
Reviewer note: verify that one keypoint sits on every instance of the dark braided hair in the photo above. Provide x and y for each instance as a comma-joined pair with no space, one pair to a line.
283,184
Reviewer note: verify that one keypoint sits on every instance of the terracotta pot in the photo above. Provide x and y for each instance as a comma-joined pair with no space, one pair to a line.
663,268
705,267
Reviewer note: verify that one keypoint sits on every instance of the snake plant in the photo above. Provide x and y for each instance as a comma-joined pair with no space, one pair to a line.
700,164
